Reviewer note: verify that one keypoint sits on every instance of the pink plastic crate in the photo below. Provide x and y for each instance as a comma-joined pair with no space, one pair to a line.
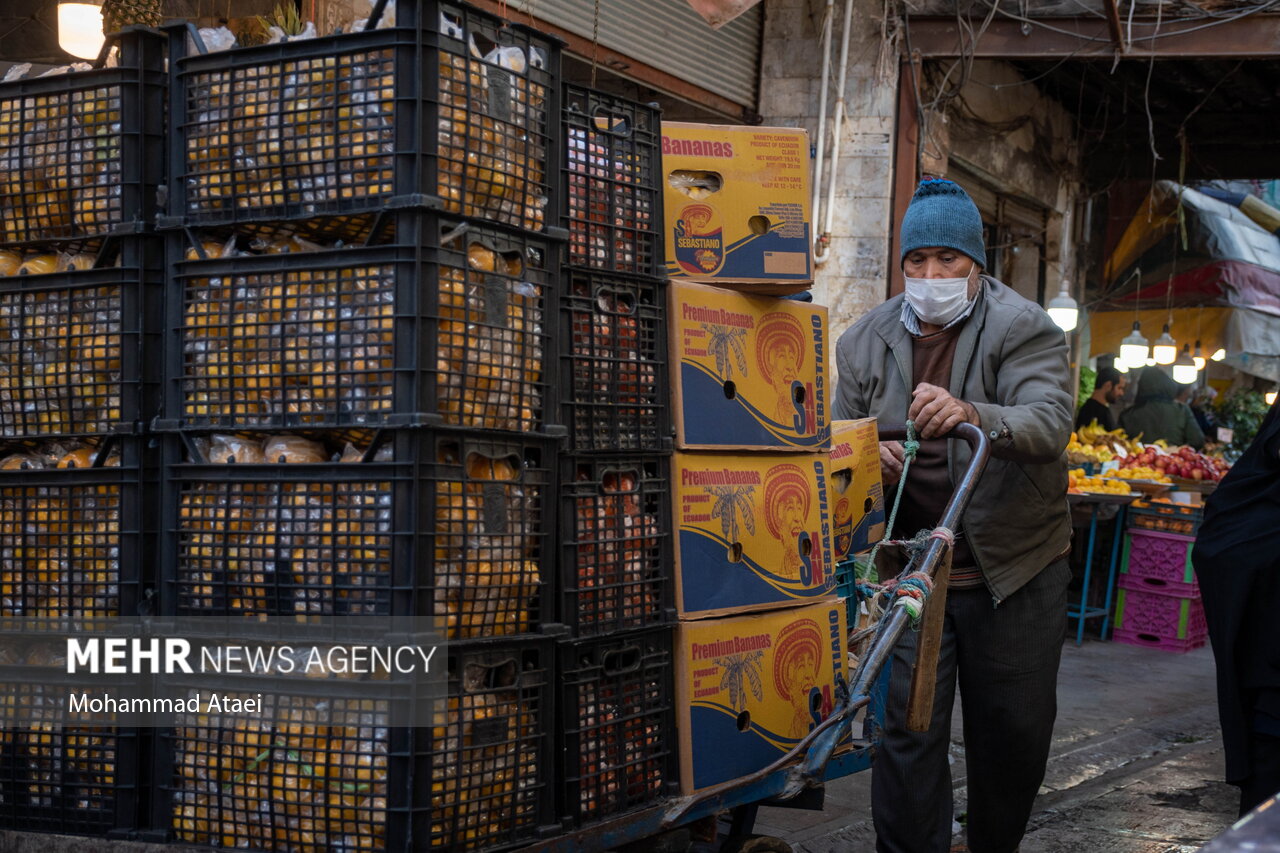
1152,641
1161,556
1160,585
1144,609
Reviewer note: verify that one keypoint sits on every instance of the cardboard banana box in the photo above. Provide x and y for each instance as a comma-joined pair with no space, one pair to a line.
748,688
753,531
750,372
737,206
857,494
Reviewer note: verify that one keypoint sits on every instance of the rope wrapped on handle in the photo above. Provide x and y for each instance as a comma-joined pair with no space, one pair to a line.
910,448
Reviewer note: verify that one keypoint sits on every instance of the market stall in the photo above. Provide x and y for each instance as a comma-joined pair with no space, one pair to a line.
1149,499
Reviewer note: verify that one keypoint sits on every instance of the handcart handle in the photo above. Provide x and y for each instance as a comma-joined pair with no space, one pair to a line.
887,638
981,453
817,747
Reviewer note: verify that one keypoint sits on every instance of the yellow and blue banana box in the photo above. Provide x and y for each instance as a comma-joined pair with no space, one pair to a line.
750,372
857,494
748,688
737,205
753,531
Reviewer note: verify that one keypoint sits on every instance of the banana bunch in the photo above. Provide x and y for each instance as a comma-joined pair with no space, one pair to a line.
1092,443
1095,435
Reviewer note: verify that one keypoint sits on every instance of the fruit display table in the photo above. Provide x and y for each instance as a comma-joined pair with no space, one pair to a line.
1081,611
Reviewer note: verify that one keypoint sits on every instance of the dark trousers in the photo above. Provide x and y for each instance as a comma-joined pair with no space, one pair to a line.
1005,660
1264,782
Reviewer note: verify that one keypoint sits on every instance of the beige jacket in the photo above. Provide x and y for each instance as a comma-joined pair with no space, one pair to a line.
1011,363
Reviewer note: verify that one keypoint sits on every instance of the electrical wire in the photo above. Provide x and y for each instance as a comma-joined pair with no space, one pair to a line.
1214,22
1146,103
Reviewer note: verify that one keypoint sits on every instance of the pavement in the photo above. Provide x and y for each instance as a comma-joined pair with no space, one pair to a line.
1136,764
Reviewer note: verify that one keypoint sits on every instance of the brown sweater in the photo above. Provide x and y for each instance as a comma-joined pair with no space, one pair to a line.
928,486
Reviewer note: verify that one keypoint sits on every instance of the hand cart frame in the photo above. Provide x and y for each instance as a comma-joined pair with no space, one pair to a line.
795,778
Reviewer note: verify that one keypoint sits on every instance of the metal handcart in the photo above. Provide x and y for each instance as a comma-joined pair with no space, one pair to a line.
797,778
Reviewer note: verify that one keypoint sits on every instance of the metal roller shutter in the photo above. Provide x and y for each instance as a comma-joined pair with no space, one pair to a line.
670,36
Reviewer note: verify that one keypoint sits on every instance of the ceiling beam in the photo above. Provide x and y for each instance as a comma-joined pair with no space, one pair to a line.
1252,36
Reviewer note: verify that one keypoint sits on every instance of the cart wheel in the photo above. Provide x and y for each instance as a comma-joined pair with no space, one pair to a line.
755,844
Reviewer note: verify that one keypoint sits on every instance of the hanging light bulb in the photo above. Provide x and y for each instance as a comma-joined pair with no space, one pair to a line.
1120,366
1270,397
1184,369
1165,349
1198,357
1063,310
80,28
1134,348
1219,355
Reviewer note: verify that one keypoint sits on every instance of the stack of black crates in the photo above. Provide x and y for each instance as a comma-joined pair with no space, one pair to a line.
359,396
616,595
81,154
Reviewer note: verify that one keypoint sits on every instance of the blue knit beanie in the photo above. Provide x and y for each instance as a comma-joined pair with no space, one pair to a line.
942,214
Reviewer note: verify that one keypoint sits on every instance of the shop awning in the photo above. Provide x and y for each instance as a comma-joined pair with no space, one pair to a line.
1229,256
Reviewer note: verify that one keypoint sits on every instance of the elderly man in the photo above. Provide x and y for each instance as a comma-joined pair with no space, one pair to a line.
960,347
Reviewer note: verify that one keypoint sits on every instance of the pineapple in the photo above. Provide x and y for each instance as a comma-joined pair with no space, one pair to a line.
118,14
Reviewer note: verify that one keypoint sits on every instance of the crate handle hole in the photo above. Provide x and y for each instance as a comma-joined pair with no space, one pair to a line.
841,479
806,546
607,122
735,552
798,393
612,301
484,676
622,661
730,390
867,506
1148,638
759,225
744,721
620,482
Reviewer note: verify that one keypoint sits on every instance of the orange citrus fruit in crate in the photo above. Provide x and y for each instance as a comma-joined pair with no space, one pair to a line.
311,777
486,579
484,759
490,352
615,567
60,164
59,548
60,352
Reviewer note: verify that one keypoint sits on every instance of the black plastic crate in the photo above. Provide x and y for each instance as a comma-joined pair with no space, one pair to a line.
450,326
80,350
323,770
614,381
57,777
81,154
451,105
616,559
442,524
76,545
617,718
611,182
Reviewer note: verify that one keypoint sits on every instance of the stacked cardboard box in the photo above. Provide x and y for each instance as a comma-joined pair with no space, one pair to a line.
761,642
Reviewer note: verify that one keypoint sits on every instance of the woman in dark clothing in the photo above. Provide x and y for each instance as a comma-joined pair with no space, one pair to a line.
1238,566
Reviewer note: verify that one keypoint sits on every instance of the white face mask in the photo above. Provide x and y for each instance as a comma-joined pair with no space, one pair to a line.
937,301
